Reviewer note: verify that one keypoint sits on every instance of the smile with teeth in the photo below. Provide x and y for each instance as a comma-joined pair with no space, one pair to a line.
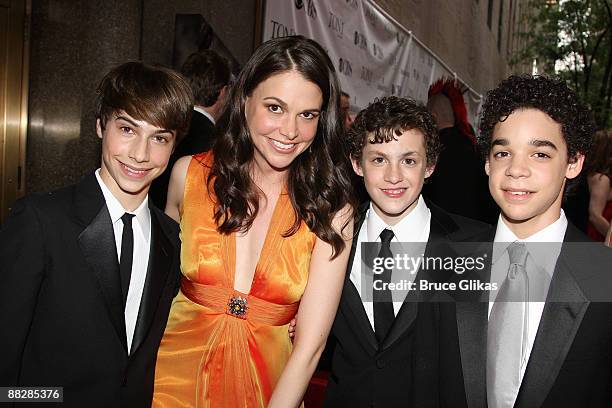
516,195
393,192
132,171
282,146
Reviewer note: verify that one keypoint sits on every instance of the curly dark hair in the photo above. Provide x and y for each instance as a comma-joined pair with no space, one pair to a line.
207,73
318,179
386,118
551,96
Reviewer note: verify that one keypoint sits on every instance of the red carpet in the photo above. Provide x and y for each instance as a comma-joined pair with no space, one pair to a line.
316,390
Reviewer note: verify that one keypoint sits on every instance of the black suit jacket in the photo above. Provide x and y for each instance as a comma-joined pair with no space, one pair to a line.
571,361
61,308
400,374
200,138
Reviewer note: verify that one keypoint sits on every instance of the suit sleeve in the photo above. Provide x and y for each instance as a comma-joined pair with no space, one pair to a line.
21,272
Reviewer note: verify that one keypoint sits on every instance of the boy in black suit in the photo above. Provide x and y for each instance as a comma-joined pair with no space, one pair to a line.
383,349
515,350
88,271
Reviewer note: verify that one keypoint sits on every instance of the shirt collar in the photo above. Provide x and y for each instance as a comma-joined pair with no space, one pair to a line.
203,112
408,229
555,232
116,210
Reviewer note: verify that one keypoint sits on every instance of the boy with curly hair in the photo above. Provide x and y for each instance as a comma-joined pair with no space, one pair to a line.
384,340
517,350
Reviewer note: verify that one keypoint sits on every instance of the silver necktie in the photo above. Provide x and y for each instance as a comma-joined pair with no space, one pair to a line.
507,332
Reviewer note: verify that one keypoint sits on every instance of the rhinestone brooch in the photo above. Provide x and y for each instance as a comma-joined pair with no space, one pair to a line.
237,306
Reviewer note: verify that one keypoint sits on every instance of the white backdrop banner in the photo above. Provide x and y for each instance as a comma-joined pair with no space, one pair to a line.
373,55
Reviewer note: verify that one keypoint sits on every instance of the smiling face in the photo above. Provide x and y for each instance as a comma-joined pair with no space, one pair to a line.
282,115
134,153
393,173
527,167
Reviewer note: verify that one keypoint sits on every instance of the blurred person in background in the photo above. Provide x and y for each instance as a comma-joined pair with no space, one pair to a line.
345,108
459,183
599,177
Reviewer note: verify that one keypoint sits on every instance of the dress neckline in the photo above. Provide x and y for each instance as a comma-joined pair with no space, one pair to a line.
279,222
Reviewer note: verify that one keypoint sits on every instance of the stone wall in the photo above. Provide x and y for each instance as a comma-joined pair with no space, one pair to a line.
457,31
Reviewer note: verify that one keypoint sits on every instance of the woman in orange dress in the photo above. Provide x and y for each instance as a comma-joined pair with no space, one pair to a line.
265,220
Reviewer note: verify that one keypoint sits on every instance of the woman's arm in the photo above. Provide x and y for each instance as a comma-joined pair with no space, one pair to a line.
176,187
317,311
599,186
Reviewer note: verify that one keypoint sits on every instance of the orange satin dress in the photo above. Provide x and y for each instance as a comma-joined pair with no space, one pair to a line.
211,356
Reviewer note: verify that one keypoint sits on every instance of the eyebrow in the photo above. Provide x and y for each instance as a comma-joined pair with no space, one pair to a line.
500,142
284,105
379,153
128,120
533,142
543,143
131,122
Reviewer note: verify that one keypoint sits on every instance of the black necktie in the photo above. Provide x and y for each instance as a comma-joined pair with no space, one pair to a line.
127,249
383,301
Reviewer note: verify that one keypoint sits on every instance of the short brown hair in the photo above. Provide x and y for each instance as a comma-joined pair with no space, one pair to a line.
386,118
207,73
154,94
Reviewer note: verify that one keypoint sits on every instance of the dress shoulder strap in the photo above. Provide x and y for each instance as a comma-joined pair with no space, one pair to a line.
197,194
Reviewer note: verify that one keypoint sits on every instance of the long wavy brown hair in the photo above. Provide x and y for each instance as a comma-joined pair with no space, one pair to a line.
318,183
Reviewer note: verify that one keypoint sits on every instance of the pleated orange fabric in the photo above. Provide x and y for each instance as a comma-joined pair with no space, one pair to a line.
223,348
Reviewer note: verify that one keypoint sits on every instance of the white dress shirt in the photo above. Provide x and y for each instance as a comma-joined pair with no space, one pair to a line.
414,227
542,259
203,112
141,225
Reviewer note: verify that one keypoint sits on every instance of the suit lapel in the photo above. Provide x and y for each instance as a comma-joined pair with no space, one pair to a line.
472,334
356,315
351,303
565,307
472,321
160,262
97,243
